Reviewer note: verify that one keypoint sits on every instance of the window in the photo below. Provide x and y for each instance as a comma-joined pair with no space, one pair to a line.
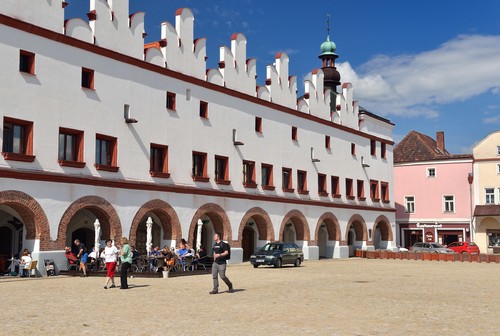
498,168
27,62
349,188
199,171
489,196
17,140
204,109
498,150
327,142
170,101
88,78
374,194
493,237
383,152
158,161
373,147
294,133
322,185
302,182
409,204
266,171
360,190
106,153
221,170
286,178
431,172
384,191
258,124
249,174
70,148
335,186
353,149
449,203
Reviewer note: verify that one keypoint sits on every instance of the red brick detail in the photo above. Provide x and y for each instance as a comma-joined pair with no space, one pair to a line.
332,227
385,228
263,222
359,227
219,220
102,209
32,215
299,222
169,221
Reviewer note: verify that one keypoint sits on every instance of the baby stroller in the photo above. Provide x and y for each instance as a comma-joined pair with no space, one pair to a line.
50,267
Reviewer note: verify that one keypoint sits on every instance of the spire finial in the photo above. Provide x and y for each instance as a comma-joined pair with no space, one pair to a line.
328,26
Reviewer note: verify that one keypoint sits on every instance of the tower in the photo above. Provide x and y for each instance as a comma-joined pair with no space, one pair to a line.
328,56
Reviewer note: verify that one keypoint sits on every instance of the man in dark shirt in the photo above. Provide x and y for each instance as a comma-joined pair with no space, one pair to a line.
221,254
82,255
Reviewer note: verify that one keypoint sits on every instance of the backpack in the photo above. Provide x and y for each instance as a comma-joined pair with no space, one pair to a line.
228,251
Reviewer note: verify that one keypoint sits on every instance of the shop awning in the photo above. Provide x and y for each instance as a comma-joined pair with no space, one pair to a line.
487,210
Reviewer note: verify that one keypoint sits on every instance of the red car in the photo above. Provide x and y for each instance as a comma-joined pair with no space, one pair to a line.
464,247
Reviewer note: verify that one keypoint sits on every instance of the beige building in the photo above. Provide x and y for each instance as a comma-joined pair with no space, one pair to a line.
487,193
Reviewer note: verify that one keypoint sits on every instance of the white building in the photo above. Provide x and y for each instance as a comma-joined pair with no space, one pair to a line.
97,126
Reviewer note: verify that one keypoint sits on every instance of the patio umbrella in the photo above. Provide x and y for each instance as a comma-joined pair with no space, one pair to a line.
97,228
149,234
198,234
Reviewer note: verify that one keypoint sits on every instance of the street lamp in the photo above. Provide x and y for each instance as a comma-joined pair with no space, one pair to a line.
470,179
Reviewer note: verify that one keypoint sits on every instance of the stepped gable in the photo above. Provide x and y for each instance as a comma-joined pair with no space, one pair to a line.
238,73
282,88
417,147
316,99
181,52
346,110
48,14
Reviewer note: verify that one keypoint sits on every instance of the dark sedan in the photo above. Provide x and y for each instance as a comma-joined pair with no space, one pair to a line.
278,254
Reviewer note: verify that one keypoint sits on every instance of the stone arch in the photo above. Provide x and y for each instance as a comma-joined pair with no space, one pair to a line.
102,209
299,222
219,220
170,222
359,229
262,221
332,227
32,216
383,223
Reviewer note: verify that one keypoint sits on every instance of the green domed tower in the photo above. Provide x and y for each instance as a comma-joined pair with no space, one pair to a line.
328,56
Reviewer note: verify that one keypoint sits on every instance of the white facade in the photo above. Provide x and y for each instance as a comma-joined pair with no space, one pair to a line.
49,202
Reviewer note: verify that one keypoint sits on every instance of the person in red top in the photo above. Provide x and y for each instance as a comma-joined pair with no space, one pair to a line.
70,256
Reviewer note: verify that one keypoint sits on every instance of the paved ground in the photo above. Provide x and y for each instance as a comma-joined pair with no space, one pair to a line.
327,297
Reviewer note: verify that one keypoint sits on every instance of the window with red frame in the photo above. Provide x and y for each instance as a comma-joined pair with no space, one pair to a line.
335,186
327,142
203,109
199,169
373,147
302,182
294,133
383,153
17,140
70,148
258,124
266,172
88,78
361,190
221,170
106,153
349,188
27,62
353,149
249,174
384,191
322,185
374,194
286,178
170,101
158,161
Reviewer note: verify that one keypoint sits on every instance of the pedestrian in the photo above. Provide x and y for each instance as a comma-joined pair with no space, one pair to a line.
110,258
82,255
126,260
221,254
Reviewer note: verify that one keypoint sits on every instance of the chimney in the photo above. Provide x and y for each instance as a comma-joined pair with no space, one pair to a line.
440,141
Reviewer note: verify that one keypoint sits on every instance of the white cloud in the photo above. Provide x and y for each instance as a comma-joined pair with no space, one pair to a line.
415,85
491,120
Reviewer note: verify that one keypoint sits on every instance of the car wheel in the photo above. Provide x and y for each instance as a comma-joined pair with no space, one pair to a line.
255,265
278,263
297,263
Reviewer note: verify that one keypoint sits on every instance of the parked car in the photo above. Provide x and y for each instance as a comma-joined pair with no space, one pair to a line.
464,247
431,247
278,254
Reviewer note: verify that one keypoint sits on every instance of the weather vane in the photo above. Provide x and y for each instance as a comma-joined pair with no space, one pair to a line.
328,24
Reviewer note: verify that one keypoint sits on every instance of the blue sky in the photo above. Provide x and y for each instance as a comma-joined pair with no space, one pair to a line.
427,65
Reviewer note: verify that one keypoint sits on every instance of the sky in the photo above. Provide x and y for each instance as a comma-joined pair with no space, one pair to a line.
427,65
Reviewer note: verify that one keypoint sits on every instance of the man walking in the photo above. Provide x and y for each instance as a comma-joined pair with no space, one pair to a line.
82,255
221,254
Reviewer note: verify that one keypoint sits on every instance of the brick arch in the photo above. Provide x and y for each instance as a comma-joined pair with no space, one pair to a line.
263,222
385,228
360,229
32,216
219,219
169,220
332,227
102,209
299,222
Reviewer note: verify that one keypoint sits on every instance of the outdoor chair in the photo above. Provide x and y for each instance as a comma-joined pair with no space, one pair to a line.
203,262
32,267
188,264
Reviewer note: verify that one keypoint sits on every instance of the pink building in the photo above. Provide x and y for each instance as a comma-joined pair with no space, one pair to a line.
432,192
